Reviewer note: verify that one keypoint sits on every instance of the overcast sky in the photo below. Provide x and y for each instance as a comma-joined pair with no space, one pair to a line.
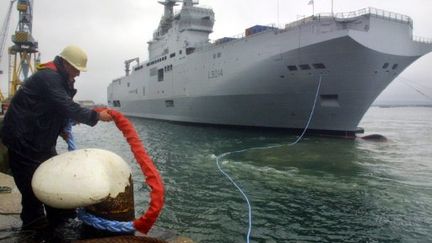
111,31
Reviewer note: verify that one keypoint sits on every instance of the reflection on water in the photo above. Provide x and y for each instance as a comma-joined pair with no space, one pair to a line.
320,190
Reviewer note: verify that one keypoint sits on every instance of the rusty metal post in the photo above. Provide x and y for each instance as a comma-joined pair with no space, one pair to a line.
120,208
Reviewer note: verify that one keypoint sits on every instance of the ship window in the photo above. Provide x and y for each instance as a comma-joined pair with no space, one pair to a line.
160,75
169,103
305,67
172,55
319,66
143,91
180,52
128,84
190,50
219,54
331,100
385,65
153,71
394,66
116,103
292,68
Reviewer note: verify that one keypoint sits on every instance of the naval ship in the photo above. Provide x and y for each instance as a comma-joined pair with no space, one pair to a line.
332,64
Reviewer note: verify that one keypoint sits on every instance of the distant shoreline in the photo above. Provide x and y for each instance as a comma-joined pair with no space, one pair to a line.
395,106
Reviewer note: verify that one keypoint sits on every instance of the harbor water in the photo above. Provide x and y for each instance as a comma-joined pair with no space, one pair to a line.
320,190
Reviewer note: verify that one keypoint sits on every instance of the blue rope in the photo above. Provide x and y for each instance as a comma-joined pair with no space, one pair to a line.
70,139
89,219
104,224
241,191
310,115
243,150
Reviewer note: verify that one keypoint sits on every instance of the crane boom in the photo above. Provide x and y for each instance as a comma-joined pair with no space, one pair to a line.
23,54
3,34
4,30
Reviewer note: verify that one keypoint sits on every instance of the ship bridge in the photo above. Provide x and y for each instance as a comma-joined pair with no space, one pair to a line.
185,30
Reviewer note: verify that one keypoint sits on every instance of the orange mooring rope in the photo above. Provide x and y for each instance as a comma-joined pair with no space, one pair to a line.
153,179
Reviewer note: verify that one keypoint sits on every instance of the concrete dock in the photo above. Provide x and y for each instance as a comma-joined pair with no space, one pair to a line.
10,203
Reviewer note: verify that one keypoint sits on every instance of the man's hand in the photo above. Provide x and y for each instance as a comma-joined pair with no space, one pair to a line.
105,116
64,135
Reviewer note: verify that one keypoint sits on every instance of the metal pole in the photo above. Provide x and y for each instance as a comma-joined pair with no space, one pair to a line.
332,8
277,14
313,8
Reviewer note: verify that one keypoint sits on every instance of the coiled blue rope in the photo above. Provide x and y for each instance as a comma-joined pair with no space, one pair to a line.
243,150
89,219
104,224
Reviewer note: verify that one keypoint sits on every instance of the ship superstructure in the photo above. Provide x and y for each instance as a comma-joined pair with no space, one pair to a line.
269,76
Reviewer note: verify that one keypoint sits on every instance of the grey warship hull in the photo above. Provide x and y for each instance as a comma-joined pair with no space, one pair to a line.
270,78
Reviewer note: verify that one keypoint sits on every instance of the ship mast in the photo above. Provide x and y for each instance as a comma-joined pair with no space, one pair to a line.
186,29
169,7
166,21
189,3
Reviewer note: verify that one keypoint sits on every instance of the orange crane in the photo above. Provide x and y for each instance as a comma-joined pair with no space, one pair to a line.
23,54
3,34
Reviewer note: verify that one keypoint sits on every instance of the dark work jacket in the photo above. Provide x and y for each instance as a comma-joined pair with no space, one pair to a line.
40,110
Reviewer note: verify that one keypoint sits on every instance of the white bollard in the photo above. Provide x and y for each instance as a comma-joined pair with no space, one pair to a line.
81,178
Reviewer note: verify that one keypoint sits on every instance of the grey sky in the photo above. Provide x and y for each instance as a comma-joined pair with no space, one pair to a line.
112,31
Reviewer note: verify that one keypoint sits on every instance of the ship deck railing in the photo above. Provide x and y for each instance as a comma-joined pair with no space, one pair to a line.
377,13
354,14
422,39
343,16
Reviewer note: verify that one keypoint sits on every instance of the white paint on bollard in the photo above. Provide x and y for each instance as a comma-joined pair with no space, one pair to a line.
80,178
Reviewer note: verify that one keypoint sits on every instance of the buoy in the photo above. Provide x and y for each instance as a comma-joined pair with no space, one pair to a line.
375,138
81,178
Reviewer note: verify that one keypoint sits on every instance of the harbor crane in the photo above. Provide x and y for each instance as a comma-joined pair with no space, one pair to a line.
3,34
23,54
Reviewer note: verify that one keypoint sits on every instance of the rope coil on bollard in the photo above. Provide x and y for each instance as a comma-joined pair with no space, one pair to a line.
153,179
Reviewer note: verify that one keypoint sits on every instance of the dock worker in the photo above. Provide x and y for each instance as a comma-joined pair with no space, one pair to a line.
37,115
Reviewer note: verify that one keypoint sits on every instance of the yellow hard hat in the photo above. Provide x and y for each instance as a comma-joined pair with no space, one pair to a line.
75,56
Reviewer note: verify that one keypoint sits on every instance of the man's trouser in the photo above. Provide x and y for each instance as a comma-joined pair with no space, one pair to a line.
23,168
